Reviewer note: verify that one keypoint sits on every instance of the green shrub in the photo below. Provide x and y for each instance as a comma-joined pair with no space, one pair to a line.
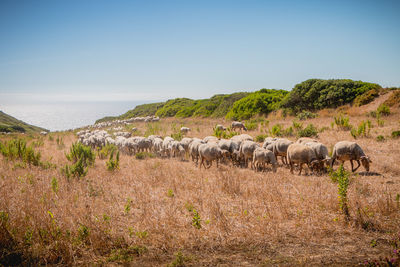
113,164
288,132
106,150
304,115
315,94
383,110
297,125
276,130
366,97
309,131
261,102
394,99
177,136
144,155
395,134
380,138
363,130
18,149
78,151
81,157
341,176
260,138
251,125
342,122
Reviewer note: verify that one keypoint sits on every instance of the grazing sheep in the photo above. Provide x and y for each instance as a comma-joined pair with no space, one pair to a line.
246,151
300,154
124,134
43,133
321,151
262,156
279,147
166,145
238,125
210,152
303,140
210,139
194,150
176,149
346,150
185,130
185,142
268,142
219,127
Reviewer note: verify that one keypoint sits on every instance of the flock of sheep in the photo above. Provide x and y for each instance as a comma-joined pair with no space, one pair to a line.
238,150
127,121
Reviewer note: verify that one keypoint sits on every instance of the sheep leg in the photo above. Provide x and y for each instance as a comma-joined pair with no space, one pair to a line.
301,167
201,163
358,162
291,167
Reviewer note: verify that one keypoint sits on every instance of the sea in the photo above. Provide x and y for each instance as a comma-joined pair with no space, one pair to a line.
59,116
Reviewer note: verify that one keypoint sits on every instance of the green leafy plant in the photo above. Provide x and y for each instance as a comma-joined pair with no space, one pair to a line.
54,185
144,155
304,115
342,123
395,134
309,131
113,164
276,130
81,157
383,110
18,149
380,138
342,177
106,151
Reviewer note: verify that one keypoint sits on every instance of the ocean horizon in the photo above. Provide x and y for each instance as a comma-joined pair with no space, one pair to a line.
59,116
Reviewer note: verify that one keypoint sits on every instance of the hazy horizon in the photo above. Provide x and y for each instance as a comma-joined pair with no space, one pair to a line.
140,51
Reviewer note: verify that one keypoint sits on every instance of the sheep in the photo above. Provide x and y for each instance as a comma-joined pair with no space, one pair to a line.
219,127
185,130
210,152
43,133
210,139
165,145
124,134
321,151
262,156
268,142
279,147
346,150
176,149
185,142
300,154
246,151
303,140
238,125
194,150
157,145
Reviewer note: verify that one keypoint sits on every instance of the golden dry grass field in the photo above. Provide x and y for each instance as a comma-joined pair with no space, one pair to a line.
146,212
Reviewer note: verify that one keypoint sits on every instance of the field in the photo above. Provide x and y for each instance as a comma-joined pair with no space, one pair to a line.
165,211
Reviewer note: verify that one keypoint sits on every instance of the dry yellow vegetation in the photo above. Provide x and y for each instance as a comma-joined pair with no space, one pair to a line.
165,211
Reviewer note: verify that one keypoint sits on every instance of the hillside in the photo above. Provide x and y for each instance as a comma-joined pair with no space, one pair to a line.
311,95
11,124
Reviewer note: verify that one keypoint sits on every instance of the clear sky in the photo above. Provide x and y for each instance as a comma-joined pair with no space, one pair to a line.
153,50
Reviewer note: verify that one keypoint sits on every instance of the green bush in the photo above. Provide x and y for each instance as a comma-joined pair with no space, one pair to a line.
383,110
177,136
394,99
380,138
143,155
78,151
107,150
18,149
260,138
395,134
251,125
363,130
81,157
304,115
315,94
276,130
224,134
342,177
258,103
113,164
366,97
309,131
342,123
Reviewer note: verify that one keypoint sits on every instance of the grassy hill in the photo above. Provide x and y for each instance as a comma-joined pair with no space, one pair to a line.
310,95
10,124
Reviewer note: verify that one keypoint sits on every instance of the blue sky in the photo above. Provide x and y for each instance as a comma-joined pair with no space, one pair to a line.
153,50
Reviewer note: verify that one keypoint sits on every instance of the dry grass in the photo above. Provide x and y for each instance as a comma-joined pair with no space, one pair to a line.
247,218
